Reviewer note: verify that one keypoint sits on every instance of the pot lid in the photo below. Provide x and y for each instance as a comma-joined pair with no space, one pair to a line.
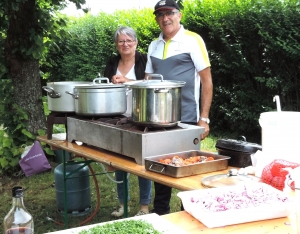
238,145
222,180
154,84
95,85
69,83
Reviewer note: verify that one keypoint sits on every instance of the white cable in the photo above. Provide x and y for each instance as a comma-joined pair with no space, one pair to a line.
109,177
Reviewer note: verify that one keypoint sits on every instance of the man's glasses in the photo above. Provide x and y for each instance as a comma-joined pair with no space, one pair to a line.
128,42
161,15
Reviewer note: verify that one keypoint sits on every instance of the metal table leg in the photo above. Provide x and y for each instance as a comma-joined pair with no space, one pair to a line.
66,218
125,194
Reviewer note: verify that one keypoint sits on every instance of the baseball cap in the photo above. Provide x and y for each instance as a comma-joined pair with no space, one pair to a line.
165,5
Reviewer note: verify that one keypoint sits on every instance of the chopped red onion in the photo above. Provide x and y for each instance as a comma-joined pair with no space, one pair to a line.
245,198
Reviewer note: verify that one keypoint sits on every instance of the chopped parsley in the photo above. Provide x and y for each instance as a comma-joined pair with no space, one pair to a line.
123,227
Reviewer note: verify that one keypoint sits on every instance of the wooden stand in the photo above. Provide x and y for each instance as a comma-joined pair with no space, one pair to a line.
56,118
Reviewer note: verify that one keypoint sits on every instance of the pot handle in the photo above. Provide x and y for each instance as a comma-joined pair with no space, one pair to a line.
75,96
97,79
51,92
128,91
241,138
156,75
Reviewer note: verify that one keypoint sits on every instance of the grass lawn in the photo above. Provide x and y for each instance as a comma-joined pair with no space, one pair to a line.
40,197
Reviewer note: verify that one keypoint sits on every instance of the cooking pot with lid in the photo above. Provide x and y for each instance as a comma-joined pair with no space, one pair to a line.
57,98
100,99
239,151
156,103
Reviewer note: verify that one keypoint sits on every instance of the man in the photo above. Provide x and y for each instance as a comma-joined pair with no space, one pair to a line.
179,54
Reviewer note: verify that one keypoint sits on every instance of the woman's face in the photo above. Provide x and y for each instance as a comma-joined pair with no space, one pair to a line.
126,45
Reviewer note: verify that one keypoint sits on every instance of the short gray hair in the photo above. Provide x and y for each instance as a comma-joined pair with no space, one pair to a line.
126,31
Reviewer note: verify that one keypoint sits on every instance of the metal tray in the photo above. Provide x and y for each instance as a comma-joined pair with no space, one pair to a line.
220,162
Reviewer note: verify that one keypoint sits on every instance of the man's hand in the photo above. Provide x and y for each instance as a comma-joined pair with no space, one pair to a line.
202,123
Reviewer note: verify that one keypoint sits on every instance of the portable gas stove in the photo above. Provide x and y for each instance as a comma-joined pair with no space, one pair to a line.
120,135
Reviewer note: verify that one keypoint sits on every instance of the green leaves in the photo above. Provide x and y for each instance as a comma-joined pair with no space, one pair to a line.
7,142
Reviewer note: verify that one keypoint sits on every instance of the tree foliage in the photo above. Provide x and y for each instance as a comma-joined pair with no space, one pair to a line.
26,28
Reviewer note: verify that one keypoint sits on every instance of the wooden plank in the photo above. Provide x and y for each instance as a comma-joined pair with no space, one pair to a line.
275,226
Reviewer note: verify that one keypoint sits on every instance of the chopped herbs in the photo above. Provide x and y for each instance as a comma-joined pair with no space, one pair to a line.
123,227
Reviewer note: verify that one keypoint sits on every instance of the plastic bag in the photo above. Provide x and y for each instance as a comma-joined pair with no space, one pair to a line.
276,172
35,161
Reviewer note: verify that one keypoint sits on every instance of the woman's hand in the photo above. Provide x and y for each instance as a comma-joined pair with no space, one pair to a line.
119,79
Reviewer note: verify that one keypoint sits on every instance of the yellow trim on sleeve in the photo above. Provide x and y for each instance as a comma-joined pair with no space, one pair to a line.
201,44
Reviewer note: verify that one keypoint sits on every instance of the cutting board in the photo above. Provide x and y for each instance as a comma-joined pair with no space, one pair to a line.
158,222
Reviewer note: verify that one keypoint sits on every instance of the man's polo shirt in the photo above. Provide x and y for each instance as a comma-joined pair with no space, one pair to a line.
181,58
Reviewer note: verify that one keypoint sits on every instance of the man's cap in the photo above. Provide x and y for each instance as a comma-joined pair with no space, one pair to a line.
165,5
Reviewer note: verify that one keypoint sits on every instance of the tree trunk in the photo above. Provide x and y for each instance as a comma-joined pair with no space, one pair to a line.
28,94
24,70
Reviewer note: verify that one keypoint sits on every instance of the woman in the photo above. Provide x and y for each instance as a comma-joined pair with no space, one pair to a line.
129,65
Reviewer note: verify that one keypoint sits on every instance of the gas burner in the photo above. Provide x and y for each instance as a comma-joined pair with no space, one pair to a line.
125,123
121,135
118,120
160,129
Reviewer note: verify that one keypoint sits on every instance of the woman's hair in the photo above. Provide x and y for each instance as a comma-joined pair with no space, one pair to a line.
126,31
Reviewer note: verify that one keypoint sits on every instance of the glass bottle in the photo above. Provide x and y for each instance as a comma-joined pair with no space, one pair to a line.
18,220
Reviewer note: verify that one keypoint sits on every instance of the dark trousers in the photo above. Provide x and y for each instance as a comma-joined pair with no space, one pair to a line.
163,196
162,199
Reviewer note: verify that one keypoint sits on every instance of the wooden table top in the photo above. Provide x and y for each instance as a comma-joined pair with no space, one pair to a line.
182,219
188,223
128,164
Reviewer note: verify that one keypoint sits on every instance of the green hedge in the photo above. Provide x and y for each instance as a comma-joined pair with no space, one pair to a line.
90,43
255,54
253,46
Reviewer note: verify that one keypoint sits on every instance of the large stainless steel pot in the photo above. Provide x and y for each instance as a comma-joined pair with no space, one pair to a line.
100,99
156,103
57,98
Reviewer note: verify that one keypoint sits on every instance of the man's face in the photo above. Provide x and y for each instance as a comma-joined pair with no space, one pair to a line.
169,21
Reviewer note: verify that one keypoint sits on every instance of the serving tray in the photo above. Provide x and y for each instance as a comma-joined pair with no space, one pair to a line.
220,162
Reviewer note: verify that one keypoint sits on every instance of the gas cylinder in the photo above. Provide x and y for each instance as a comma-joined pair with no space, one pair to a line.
78,191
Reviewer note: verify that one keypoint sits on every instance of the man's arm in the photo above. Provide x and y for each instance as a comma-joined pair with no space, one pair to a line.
206,98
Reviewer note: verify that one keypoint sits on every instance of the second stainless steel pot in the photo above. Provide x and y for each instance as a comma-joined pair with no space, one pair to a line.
100,99
57,98
156,103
